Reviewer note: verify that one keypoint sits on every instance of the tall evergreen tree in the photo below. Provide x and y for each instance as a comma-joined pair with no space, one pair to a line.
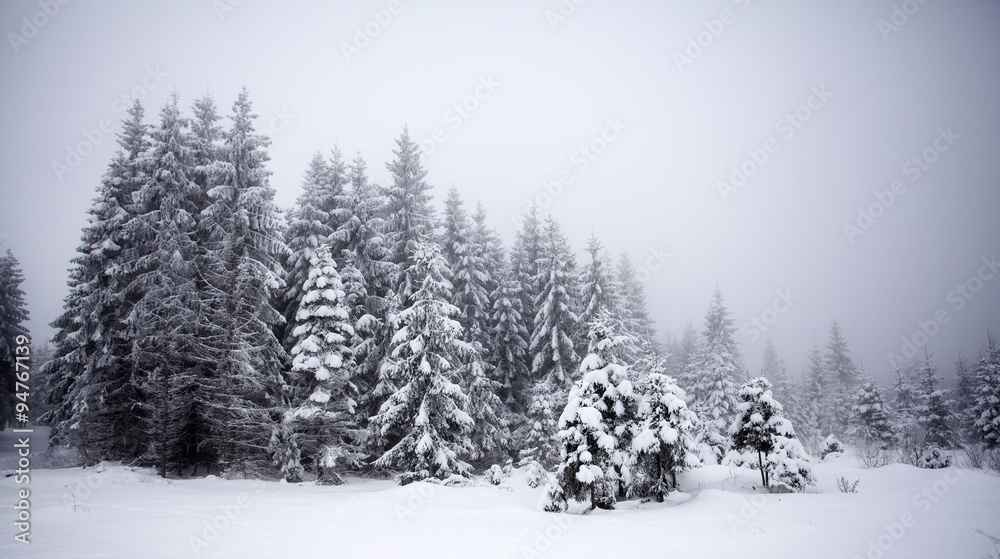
410,217
470,278
245,274
842,376
509,346
987,407
597,291
719,366
760,427
524,263
870,420
551,348
163,323
687,357
13,314
665,442
322,371
595,427
933,409
633,298
93,388
308,231
965,400
424,421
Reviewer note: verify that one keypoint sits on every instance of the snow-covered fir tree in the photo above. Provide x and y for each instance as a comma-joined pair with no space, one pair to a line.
556,322
665,444
13,314
816,416
933,409
322,412
986,410
311,224
842,378
718,367
470,278
632,297
525,257
94,393
597,284
761,428
965,400
424,422
245,271
595,428
490,436
870,422
508,347
408,213
685,357
909,434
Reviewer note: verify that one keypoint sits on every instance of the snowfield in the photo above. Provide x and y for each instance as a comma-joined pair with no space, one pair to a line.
111,511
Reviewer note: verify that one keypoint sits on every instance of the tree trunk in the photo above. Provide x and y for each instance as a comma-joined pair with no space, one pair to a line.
763,474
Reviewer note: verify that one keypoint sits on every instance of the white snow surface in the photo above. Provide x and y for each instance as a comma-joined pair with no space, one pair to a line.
112,511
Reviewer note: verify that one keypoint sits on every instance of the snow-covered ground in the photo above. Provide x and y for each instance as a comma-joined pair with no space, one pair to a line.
110,511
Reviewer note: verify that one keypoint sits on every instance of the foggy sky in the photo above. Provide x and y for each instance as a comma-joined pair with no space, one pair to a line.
510,94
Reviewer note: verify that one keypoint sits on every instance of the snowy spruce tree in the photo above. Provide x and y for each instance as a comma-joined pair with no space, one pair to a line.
311,224
761,429
490,435
466,260
986,410
871,424
164,322
598,289
665,444
508,347
909,434
718,367
842,378
595,428
13,314
245,274
408,213
685,359
321,377
525,257
933,410
93,392
424,422
632,298
556,322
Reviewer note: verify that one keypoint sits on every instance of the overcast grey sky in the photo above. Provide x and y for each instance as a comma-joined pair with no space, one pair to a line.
838,96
